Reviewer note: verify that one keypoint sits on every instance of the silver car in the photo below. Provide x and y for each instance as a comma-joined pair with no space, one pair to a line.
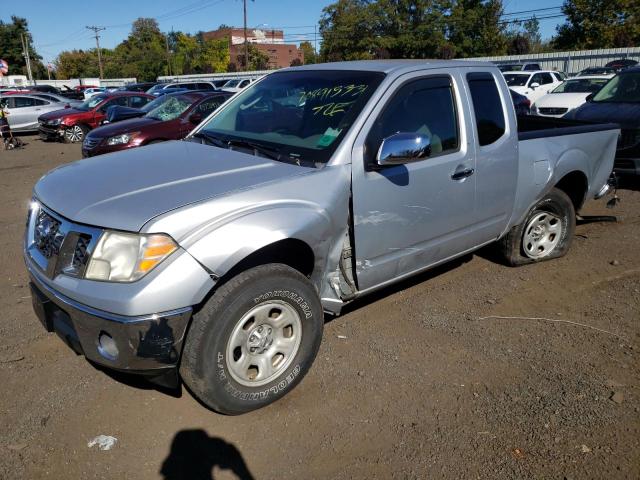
23,110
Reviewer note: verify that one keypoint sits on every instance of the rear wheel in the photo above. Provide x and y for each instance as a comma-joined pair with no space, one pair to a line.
546,232
75,134
254,339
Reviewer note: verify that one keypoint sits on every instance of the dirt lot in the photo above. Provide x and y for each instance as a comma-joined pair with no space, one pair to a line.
422,381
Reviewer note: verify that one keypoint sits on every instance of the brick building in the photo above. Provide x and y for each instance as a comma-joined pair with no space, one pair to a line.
269,42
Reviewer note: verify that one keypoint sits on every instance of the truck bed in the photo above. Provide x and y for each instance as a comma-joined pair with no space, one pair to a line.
551,148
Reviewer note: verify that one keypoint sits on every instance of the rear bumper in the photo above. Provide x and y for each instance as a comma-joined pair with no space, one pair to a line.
149,345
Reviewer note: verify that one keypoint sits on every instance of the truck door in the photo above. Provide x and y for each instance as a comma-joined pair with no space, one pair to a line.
496,144
410,216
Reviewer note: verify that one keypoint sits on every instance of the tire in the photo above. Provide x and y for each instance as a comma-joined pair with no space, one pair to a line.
75,134
273,310
546,232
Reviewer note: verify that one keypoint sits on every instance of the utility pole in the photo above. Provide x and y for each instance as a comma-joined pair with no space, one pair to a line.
246,47
95,31
27,58
168,55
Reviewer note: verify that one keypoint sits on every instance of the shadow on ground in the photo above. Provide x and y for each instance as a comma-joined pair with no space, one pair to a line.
194,454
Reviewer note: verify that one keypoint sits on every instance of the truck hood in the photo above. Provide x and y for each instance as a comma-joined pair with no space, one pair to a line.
125,190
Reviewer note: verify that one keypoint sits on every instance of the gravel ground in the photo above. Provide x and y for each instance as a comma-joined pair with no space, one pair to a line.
429,379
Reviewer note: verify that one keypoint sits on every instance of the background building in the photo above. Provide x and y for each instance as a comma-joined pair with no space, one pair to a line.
269,42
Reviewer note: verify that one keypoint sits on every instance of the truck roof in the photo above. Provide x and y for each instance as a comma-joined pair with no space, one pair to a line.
391,66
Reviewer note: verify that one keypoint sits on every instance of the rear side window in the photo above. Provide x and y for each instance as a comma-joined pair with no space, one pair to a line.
22,102
487,107
138,102
425,106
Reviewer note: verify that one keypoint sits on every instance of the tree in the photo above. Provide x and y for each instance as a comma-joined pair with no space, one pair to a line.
143,53
362,29
296,62
11,48
76,64
475,29
599,24
257,59
309,53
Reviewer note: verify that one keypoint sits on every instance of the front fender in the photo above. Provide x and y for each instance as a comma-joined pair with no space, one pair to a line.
223,246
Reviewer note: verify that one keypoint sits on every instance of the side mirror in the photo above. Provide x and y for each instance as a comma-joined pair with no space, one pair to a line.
402,148
534,85
195,118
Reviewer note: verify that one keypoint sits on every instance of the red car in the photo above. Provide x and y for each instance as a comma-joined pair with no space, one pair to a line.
170,117
72,124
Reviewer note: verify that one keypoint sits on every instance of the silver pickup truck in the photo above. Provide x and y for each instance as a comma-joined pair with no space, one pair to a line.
212,260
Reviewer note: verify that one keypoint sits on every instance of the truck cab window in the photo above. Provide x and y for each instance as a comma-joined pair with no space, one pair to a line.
424,106
487,107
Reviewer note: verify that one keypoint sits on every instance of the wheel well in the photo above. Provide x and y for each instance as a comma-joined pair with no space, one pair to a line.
291,251
575,185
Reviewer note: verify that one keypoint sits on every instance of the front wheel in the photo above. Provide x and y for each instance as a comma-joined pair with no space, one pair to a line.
75,134
546,232
253,340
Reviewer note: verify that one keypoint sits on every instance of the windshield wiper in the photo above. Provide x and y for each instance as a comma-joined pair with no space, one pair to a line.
216,142
271,153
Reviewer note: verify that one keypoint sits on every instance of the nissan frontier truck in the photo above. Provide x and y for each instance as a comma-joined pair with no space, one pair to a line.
211,261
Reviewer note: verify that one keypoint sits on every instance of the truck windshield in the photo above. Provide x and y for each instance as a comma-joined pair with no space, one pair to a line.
623,88
516,79
581,85
299,116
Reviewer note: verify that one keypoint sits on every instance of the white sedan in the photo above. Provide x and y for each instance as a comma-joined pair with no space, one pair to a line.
568,95
90,92
533,85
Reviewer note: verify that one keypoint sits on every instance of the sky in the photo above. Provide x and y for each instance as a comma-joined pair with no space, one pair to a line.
55,28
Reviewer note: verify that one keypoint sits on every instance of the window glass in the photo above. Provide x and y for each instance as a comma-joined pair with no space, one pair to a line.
487,107
424,106
546,78
138,102
624,87
302,114
120,101
580,85
171,108
209,105
40,102
517,79
22,102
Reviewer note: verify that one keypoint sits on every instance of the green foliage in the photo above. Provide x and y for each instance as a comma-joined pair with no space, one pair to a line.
599,24
257,59
77,64
309,53
362,29
524,37
11,48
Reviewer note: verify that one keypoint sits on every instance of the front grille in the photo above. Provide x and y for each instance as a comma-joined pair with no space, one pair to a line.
628,138
553,110
80,255
90,143
57,245
47,235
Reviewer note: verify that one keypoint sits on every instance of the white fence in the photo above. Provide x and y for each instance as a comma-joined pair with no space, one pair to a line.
570,62
21,80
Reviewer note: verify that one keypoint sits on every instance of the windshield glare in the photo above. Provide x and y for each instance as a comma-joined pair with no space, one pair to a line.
157,87
303,115
232,83
581,85
170,109
516,79
623,88
91,103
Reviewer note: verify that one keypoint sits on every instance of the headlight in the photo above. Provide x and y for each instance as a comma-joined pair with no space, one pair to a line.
55,121
122,139
126,257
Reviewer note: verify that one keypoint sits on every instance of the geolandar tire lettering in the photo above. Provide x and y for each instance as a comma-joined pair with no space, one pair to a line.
253,340
545,233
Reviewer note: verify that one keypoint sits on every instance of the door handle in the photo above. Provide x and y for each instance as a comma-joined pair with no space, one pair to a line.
459,175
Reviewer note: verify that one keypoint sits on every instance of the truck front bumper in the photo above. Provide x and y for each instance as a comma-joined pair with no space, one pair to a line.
149,345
